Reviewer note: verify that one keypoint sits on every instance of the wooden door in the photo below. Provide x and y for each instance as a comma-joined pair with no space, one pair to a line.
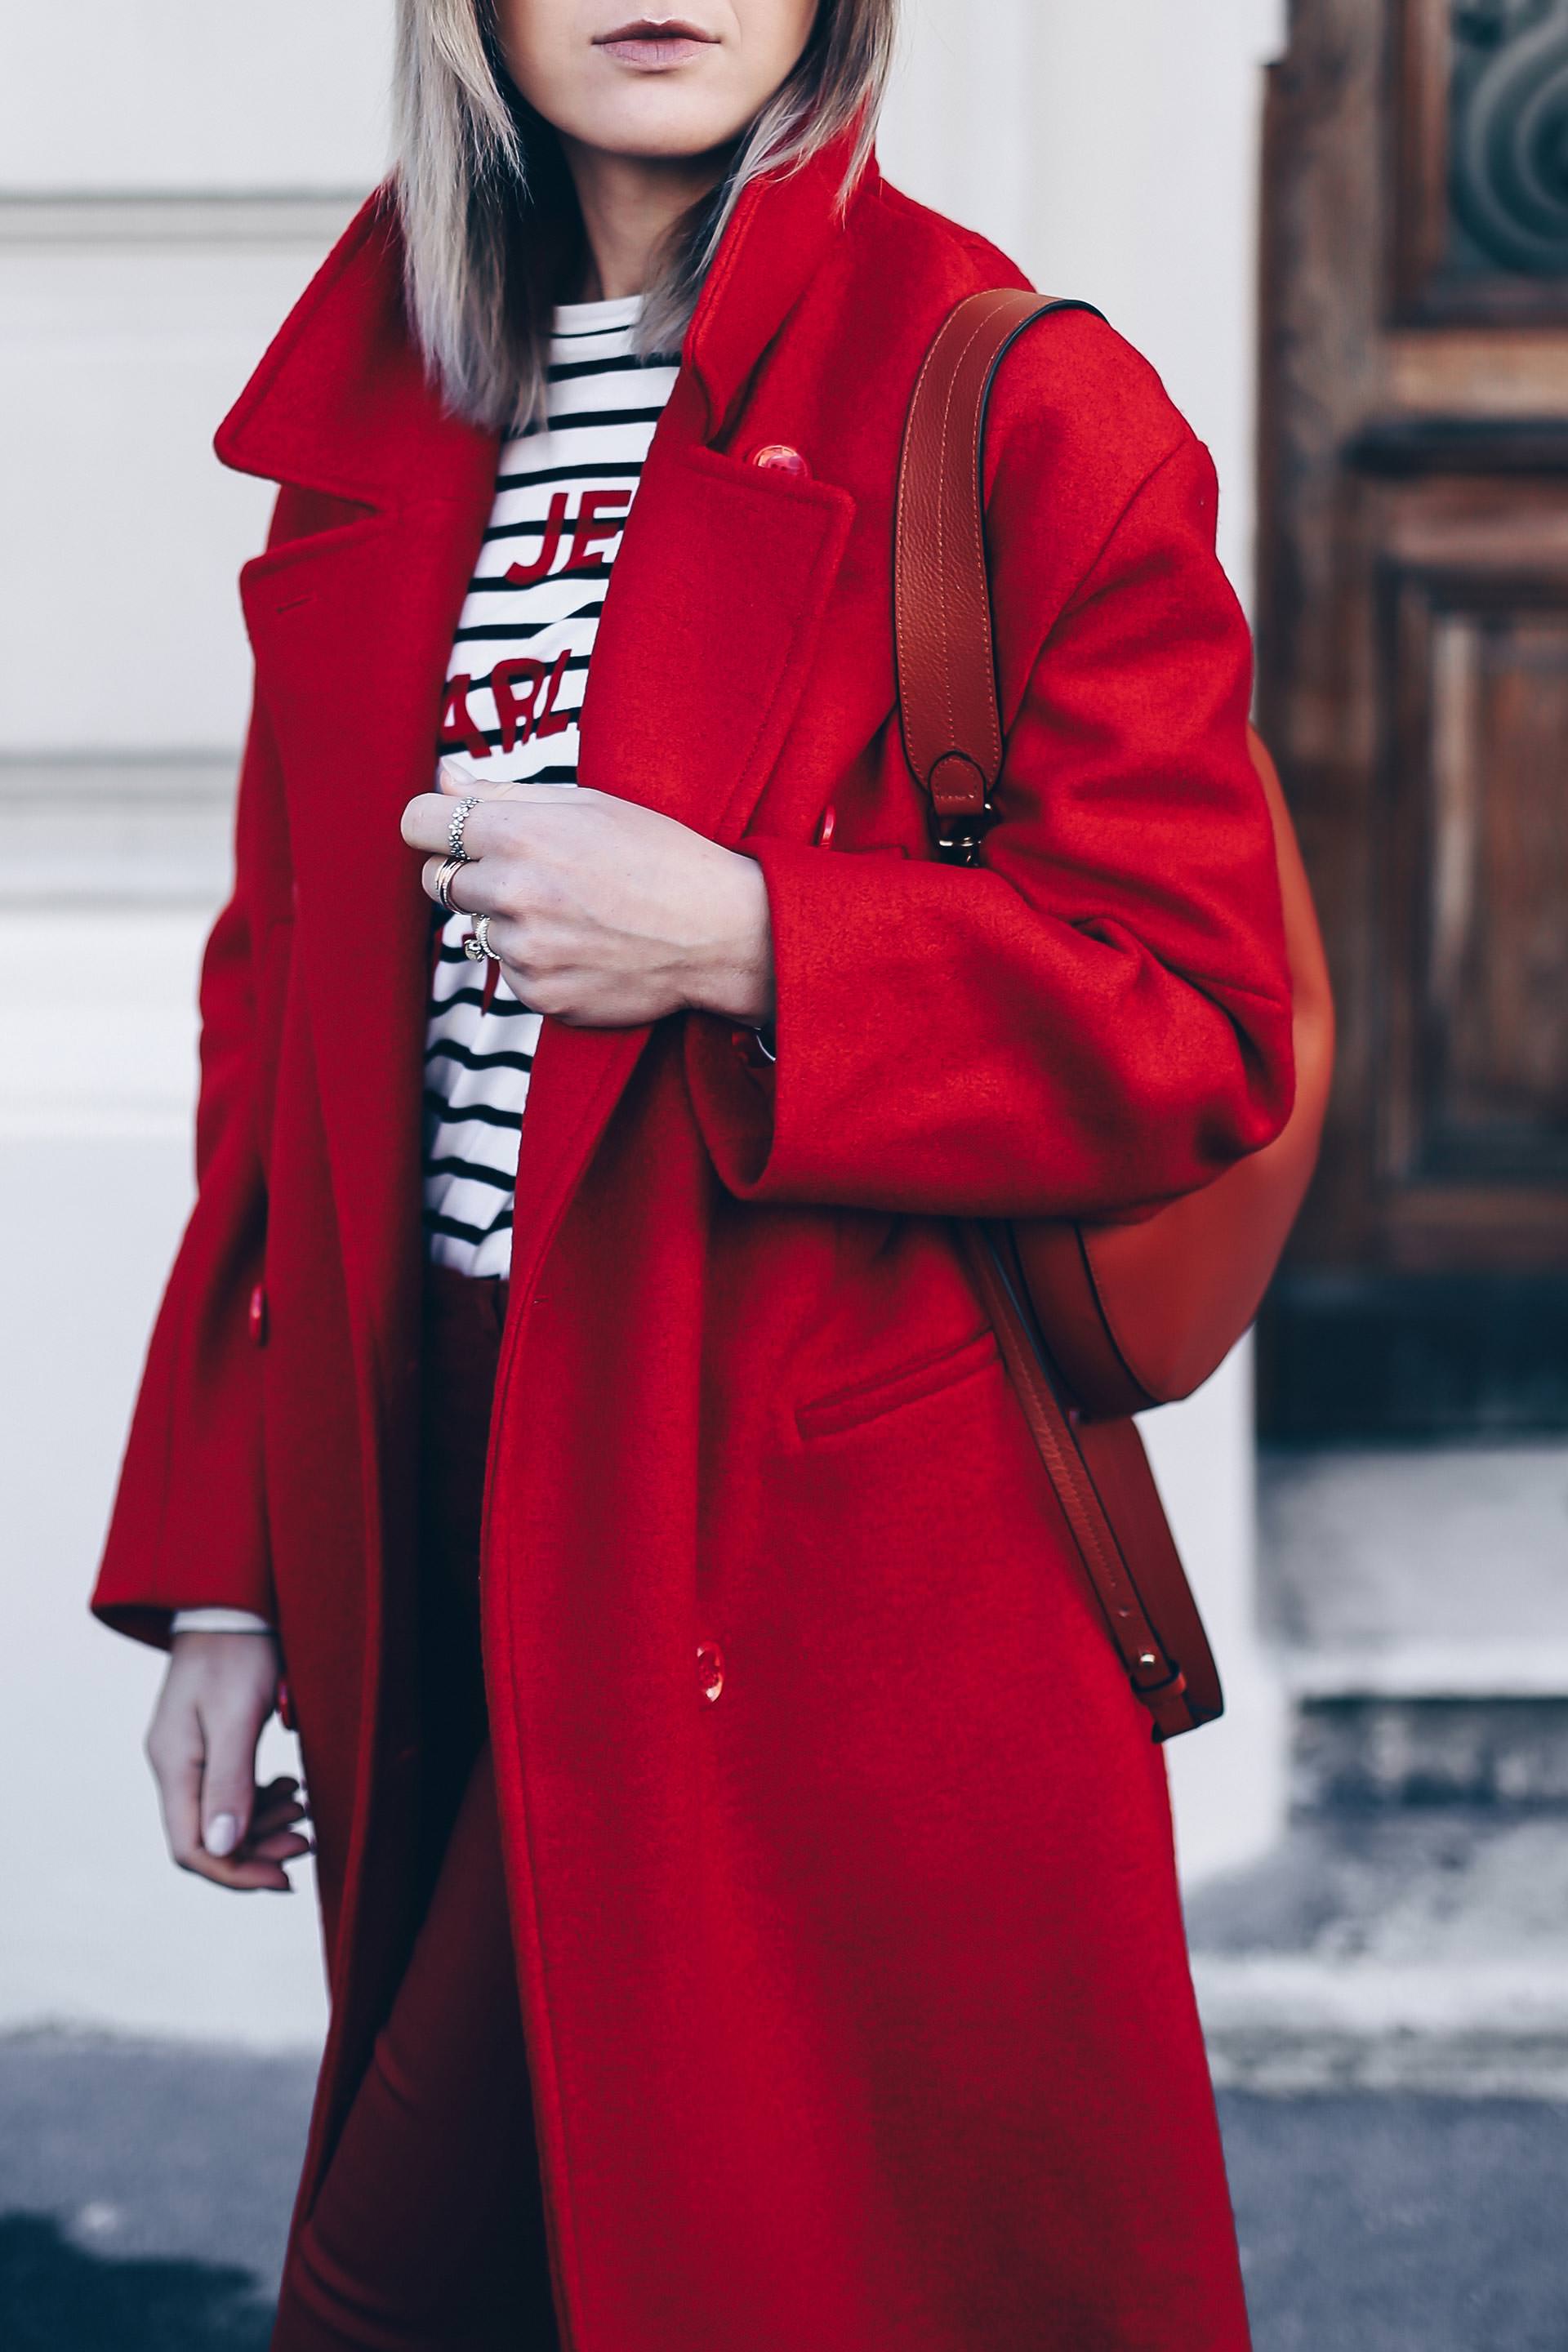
1413,683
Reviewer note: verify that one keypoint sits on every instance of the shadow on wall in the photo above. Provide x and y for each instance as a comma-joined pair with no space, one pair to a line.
52,2294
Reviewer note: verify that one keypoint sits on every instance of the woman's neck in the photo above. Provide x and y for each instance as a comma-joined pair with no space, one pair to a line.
629,204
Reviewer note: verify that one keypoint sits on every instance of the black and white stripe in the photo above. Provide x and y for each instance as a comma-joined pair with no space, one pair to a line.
602,406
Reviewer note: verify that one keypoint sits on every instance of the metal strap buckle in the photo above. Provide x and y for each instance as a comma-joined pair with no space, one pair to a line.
959,842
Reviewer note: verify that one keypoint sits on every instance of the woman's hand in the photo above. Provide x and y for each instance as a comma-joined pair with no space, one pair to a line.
218,1691
604,914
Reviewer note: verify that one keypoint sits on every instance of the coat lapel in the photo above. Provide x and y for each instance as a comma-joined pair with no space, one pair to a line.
703,649
352,632
351,627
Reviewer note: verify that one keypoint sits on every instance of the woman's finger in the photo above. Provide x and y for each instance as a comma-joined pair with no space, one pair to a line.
246,1877
427,824
231,1728
282,1784
456,784
175,1753
283,1845
469,891
274,1794
459,783
268,1818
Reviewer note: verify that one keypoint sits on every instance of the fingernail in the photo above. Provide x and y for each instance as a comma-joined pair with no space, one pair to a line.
222,1834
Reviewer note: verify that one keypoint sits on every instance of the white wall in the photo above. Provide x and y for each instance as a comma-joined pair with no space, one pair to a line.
153,233
1110,149
184,94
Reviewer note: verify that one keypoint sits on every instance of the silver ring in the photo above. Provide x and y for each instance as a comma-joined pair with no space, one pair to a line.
444,881
477,942
455,830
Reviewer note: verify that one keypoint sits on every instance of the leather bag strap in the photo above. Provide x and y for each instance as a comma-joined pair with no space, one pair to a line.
941,589
950,715
1154,1673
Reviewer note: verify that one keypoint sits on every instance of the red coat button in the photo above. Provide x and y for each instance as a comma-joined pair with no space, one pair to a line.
709,1669
778,457
824,825
258,1317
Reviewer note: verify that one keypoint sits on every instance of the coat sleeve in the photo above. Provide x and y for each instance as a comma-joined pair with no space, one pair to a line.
189,1527
1097,1019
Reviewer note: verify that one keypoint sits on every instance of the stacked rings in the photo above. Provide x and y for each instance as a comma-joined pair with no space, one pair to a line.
456,854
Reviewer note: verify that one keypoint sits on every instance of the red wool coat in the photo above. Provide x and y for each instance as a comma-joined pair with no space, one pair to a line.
857,2002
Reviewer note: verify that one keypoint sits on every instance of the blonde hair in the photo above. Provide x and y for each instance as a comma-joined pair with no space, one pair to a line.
490,220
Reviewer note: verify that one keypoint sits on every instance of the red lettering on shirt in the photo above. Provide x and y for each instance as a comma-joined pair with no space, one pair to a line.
510,707
552,721
532,712
600,514
458,728
523,575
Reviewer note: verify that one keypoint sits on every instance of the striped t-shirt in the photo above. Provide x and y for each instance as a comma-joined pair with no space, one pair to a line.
514,687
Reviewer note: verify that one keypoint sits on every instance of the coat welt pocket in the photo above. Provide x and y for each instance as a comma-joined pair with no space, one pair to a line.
927,1376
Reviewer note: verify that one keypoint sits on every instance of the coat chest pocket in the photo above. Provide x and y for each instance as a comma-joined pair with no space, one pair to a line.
929,1375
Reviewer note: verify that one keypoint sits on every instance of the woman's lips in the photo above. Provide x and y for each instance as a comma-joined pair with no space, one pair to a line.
654,46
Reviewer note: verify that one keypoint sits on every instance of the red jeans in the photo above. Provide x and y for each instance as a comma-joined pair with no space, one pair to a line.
426,2234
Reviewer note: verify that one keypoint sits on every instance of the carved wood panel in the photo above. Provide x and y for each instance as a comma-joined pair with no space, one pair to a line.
1480,157
1475,945
1414,682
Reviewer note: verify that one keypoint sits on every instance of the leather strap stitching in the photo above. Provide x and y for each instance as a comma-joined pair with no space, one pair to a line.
900,616
970,321
1136,1636
991,763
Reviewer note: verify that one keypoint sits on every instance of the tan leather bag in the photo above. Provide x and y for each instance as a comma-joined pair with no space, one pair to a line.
1142,1313
1096,1321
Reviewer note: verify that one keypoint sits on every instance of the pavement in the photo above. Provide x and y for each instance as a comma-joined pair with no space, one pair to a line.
145,2193
1418,1948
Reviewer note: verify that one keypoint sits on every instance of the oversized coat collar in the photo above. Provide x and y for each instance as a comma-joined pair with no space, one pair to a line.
351,615
340,403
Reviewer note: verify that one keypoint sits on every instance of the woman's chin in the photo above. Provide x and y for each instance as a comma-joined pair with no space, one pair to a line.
656,115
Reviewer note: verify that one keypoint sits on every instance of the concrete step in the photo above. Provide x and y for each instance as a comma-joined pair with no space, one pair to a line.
1392,1951
1404,1569
1418,1603
1349,1750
